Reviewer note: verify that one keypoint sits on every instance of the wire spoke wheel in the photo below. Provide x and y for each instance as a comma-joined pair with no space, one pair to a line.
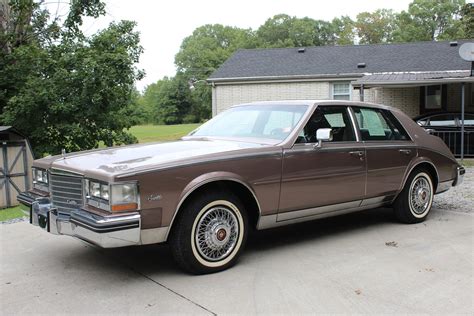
216,233
420,195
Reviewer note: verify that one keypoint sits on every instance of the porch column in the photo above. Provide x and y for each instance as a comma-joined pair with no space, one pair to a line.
361,93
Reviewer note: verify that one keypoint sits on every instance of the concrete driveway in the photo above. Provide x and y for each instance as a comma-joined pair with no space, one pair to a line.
358,263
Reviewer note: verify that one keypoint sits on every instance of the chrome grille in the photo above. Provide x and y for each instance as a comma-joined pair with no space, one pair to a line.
66,192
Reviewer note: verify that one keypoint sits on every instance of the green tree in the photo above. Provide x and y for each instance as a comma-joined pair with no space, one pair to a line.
301,32
209,46
200,55
375,27
325,33
170,100
467,20
344,32
275,32
285,31
428,20
61,88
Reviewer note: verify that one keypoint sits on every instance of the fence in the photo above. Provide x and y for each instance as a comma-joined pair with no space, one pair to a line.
453,140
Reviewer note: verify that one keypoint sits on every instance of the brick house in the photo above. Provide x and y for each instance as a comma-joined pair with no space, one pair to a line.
415,77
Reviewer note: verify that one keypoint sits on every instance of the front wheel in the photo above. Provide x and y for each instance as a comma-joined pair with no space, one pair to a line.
209,233
414,202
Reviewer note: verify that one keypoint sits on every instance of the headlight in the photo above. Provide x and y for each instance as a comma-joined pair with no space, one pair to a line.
124,197
118,197
40,179
98,190
40,175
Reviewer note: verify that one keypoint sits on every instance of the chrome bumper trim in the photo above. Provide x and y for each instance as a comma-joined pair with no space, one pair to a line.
444,186
459,176
104,231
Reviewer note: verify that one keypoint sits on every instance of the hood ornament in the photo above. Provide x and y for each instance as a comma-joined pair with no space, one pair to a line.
63,153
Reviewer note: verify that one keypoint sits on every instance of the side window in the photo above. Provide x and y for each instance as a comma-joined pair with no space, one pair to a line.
333,117
377,124
442,120
468,120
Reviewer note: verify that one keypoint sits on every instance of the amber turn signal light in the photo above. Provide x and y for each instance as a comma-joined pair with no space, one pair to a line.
124,207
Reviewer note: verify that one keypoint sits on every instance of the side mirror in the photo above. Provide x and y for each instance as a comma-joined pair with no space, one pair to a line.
323,135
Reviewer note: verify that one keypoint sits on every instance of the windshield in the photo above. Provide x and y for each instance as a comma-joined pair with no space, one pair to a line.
254,121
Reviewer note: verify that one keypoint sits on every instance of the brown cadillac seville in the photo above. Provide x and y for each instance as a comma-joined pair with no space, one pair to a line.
257,165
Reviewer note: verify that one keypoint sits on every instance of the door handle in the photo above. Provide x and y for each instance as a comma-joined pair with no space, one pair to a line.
405,151
358,153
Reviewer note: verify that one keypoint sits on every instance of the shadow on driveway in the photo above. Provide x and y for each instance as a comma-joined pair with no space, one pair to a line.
158,258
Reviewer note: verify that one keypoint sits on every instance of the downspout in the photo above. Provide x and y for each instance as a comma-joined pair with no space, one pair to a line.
361,94
214,99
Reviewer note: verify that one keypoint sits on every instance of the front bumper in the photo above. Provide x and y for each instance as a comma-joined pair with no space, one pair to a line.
104,231
459,176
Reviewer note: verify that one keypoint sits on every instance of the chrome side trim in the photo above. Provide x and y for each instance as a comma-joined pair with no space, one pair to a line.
154,235
309,147
270,221
207,182
317,210
374,200
371,145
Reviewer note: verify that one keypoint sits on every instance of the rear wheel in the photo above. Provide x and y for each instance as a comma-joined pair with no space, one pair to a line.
210,233
413,204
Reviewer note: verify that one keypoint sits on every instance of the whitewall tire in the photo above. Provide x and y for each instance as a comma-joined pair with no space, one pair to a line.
414,202
209,233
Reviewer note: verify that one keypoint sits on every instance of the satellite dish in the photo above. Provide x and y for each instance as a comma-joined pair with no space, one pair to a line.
466,51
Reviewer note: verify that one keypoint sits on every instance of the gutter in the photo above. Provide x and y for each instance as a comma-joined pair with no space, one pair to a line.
289,78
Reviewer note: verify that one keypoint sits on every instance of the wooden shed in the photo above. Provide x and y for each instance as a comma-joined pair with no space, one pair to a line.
16,158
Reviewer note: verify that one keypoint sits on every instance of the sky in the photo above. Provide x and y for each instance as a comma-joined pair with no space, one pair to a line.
164,24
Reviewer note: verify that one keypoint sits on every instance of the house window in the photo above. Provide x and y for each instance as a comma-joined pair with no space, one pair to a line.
341,91
433,97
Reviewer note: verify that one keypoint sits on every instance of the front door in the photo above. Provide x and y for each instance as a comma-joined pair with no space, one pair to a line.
335,173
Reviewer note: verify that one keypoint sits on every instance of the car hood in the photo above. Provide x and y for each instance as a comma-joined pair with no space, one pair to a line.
108,163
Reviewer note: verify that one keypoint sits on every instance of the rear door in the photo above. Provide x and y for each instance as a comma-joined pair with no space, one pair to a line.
313,178
389,151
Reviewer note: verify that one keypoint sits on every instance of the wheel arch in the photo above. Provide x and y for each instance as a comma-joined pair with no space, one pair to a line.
231,183
428,166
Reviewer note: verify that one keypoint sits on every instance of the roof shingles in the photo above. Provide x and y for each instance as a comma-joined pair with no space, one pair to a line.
329,61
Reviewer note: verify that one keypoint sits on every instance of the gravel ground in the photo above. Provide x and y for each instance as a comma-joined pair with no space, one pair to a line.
460,198
16,220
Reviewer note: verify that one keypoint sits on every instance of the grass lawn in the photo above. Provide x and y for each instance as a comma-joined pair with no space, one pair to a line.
467,162
155,133
11,213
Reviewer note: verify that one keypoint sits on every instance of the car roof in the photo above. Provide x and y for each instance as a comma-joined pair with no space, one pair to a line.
318,102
